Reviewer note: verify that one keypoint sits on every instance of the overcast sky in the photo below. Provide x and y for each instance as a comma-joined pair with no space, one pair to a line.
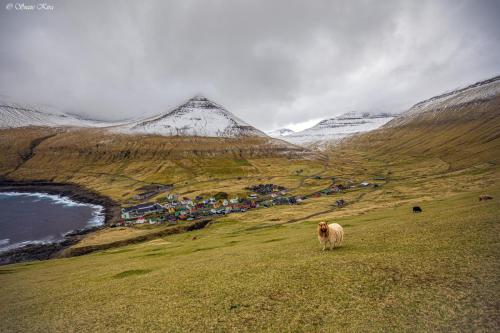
272,63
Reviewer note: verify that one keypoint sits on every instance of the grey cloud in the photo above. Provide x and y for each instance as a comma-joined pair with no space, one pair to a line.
271,63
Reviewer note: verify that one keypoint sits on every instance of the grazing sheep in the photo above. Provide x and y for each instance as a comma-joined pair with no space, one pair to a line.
485,197
333,234
417,209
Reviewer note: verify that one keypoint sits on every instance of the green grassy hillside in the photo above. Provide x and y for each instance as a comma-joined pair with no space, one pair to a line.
396,272
461,136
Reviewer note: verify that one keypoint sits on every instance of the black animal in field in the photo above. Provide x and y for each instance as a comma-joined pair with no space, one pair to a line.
417,209
485,197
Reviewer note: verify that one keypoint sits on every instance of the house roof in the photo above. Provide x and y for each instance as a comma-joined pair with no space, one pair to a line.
142,207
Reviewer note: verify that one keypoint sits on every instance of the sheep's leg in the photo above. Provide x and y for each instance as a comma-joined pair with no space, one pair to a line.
324,246
332,245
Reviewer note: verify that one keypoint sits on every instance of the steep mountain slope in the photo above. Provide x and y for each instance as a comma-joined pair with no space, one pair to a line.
437,108
461,128
333,129
14,115
197,117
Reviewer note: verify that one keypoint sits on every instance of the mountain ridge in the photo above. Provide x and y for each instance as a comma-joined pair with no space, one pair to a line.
461,128
434,107
333,129
14,115
198,116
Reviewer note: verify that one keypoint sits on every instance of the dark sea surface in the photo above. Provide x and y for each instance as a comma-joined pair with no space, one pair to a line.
41,218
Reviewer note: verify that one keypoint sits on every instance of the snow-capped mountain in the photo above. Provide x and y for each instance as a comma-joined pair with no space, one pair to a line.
433,107
21,115
279,133
197,117
332,129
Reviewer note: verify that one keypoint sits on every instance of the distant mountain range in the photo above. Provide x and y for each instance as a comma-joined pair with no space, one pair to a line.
196,117
203,118
332,130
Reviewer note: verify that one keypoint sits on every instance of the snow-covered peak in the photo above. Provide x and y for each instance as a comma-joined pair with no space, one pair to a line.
279,133
196,117
340,127
200,101
432,107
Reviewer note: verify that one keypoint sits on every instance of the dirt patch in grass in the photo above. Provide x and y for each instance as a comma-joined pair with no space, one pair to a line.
207,248
115,252
155,254
131,272
7,271
273,240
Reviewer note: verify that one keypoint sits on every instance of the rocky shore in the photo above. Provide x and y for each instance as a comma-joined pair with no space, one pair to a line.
71,191
43,251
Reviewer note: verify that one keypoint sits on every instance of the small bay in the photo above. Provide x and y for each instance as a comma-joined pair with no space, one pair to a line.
42,218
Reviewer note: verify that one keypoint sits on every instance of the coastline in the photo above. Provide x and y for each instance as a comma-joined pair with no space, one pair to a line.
77,193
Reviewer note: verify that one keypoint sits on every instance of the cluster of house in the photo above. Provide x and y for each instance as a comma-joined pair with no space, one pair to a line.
266,188
332,189
174,208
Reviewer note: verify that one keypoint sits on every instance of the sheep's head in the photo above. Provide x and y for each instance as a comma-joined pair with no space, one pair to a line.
322,227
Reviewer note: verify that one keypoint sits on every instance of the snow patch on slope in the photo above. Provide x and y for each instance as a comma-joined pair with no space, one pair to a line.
14,115
340,127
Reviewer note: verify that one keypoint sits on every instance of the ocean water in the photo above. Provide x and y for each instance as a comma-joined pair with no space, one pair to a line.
42,218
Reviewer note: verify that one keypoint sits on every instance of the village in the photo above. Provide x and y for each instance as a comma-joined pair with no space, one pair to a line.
173,208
